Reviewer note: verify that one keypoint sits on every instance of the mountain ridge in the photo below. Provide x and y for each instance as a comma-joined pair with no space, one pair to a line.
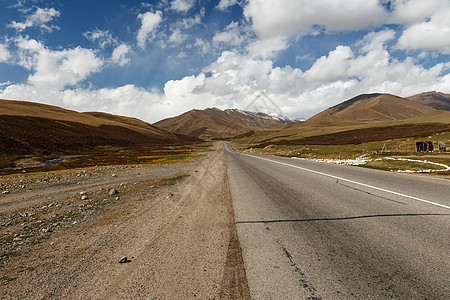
214,123
369,108
29,127
434,99
359,114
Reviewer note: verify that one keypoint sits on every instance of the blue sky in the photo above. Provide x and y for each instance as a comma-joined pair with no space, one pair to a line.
156,59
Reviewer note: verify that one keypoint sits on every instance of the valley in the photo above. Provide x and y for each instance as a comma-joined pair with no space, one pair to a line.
100,206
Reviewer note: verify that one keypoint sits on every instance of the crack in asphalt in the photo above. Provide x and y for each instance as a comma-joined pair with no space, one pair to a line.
304,283
369,193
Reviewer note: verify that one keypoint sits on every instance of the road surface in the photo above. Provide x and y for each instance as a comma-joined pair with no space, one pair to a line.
312,230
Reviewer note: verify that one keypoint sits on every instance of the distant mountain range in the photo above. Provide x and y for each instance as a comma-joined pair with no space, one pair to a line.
213,123
28,127
362,110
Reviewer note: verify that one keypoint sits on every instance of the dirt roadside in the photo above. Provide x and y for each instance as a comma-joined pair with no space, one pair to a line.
178,235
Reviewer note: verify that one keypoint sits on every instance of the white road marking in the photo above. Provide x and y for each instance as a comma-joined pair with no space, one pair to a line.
348,180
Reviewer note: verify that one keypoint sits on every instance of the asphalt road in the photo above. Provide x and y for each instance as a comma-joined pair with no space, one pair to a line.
312,230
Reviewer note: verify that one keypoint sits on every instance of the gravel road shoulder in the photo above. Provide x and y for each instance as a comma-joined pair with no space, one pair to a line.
177,232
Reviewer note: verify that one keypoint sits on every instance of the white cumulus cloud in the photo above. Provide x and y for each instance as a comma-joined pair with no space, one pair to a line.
4,53
119,55
224,4
149,22
182,5
374,40
431,34
56,69
415,11
231,35
271,17
177,37
267,47
102,37
40,17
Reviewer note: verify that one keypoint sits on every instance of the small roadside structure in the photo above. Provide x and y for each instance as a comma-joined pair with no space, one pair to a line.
424,146
442,147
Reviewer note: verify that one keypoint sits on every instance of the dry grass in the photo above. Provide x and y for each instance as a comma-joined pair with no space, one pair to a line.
401,165
396,148
301,130
107,156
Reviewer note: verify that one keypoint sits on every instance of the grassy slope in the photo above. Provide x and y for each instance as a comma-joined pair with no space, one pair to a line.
38,132
301,130
381,149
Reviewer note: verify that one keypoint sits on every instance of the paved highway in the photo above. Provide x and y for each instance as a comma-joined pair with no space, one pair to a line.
312,230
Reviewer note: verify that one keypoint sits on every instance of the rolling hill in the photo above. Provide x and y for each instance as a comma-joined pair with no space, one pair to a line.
433,99
213,123
360,119
370,108
28,127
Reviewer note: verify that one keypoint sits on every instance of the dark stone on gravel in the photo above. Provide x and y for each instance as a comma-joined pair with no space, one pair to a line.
124,260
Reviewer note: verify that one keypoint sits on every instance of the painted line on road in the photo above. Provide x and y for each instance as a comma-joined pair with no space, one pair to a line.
348,180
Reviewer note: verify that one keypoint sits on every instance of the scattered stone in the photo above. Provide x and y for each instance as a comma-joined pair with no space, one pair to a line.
113,191
117,198
83,193
6,192
124,260
84,197
114,175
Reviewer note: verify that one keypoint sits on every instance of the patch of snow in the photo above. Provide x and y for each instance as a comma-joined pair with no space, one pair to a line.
361,160
270,116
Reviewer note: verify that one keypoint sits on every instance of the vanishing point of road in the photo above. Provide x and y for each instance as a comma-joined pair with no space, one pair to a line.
311,230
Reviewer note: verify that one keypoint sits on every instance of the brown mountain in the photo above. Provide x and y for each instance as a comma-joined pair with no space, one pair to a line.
433,99
28,127
370,108
363,118
213,123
